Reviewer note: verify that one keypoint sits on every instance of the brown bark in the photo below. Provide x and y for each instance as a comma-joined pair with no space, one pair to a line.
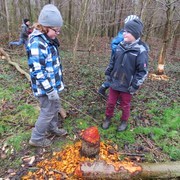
90,150
166,36
85,5
164,170
90,142
7,19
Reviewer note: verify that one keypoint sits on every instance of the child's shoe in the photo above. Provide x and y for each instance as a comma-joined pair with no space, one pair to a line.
122,126
40,143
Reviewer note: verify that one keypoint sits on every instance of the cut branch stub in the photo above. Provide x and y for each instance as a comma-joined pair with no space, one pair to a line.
90,142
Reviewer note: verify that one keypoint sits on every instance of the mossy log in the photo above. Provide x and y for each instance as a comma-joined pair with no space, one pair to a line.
163,170
102,170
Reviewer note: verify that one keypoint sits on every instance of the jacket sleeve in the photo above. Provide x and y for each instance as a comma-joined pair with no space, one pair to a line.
141,70
110,66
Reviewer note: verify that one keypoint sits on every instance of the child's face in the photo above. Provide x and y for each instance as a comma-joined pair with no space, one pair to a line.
53,32
128,37
28,23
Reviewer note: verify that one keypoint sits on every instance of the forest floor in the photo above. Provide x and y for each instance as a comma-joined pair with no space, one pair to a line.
153,131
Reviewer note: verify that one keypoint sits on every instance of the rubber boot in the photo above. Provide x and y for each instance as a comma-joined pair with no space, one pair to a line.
122,126
106,123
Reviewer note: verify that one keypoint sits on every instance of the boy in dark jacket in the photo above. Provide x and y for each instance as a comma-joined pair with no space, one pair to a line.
119,38
126,72
23,35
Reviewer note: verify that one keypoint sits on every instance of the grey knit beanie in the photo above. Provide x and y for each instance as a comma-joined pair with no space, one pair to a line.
135,27
50,16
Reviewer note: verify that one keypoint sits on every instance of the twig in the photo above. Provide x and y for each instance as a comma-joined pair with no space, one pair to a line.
15,64
80,110
129,154
64,176
149,144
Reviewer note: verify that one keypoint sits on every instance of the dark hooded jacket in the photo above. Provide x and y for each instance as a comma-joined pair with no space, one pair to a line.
128,66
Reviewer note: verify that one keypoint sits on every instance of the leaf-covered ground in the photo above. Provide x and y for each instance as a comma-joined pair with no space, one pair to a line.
154,125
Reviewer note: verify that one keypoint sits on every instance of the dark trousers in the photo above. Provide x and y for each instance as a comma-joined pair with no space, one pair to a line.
125,102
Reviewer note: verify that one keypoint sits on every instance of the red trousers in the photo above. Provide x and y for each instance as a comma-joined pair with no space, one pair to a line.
125,102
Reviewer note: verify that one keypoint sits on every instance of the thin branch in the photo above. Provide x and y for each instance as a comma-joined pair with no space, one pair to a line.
14,64
79,110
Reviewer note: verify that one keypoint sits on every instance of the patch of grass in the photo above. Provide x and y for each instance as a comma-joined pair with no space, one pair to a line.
172,151
171,117
81,123
61,144
17,140
28,113
167,134
3,128
6,94
83,81
78,93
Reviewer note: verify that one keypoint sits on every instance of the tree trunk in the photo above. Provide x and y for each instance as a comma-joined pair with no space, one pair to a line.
90,142
70,20
7,19
166,36
102,170
79,30
90,150
165,170
176,38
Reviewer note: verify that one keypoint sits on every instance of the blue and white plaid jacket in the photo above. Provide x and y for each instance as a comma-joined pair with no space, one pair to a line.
44,64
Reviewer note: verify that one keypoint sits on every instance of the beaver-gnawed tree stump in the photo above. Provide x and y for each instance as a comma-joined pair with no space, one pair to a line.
90,142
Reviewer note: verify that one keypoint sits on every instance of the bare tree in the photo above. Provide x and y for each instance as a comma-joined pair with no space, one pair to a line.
170,9
7,18
84,5
176,38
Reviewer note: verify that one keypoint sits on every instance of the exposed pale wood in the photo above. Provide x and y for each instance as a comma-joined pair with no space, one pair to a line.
102,170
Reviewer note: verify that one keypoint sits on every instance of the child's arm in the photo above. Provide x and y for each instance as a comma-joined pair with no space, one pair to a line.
141,70
110,66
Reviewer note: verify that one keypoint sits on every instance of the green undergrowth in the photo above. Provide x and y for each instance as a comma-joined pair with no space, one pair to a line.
154,113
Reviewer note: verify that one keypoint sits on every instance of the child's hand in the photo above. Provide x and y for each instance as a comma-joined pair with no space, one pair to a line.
132,90
53,95
108,78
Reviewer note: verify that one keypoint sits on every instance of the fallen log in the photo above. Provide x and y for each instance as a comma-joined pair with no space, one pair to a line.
7,57
102,170
163,170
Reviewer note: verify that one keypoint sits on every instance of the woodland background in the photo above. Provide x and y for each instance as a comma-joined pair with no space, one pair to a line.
86,19
89,25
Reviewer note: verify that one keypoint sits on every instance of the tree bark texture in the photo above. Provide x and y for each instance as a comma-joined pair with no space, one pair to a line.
166,36
102,170
90,150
